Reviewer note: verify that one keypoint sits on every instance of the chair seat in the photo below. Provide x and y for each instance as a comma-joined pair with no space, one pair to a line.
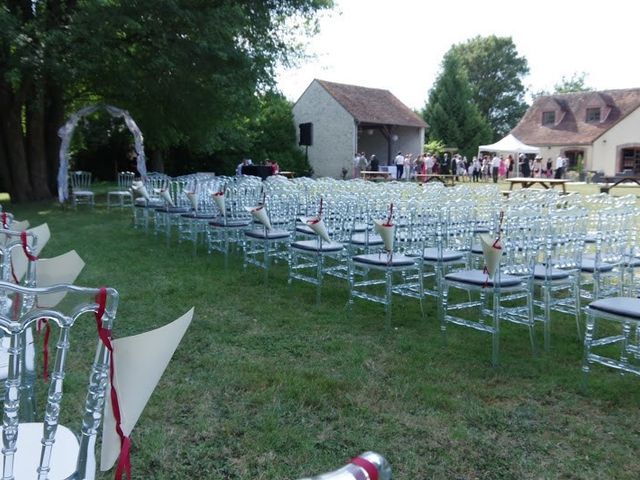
316,246
172,209
381,260
122,193
83,193
589,265
153,202
631,261
479,278
203,216
268,234
361,239
623,306
432,255
230,223
63,457
540,273
307,230
476,249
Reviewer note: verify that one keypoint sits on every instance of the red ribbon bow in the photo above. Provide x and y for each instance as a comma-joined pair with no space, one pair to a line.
25,247
367,466
124,460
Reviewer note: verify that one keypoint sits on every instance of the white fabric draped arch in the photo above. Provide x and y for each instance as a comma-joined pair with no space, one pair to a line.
66,132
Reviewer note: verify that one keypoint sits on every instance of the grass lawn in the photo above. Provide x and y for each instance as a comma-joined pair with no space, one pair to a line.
267,385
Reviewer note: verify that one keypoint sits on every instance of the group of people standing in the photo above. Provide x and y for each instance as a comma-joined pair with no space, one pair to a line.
478,169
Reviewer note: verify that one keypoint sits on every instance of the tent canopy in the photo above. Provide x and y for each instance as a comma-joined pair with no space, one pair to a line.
509,144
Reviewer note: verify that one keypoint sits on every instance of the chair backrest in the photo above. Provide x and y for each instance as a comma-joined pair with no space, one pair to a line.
80,180
125,180
14,324
564,231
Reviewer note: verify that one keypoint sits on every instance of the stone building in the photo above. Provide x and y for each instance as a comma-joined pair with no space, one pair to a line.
339,120
601,128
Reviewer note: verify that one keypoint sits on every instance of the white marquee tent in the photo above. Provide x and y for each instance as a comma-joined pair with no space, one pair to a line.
509,144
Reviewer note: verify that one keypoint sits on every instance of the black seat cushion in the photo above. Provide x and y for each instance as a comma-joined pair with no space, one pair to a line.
203,216
382,260
479,278
268,234
623,306
431,255
540,273
361,239
230,223
589,265
315,246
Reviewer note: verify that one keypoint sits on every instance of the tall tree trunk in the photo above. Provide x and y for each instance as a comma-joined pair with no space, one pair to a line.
5,172
155,163
36,154
54,119
11,123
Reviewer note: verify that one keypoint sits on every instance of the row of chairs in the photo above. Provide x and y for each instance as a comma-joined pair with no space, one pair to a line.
573,250
50,449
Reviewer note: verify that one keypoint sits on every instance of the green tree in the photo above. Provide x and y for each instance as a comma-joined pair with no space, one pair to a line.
575,83
450,112
495,72
188,72
274,134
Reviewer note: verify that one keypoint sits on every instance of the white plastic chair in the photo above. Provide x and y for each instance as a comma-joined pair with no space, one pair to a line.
81,193
123,197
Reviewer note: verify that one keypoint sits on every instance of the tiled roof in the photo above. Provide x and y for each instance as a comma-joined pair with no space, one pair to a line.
571,127
372,105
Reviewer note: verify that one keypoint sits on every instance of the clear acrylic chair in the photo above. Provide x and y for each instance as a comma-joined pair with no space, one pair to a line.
143,207
50,448
81,193
377,276
557,271
310,259
615,319
603,265
472,299
262,244
122,197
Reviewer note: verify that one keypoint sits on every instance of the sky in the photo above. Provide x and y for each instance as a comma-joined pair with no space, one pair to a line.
398,45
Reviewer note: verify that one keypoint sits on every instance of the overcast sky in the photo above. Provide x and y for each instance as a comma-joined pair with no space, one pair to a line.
398,45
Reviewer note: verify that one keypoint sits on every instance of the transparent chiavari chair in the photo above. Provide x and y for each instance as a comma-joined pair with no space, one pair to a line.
143,208
168,215
557,272
263,245
376,276
227,230
621,316
310,259
508,295
192,226
81,193
449,237
123,196
603,266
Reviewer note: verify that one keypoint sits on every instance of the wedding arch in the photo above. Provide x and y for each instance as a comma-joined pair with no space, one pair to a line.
66,132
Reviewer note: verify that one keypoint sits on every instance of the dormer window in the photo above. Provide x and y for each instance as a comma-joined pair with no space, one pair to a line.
548,118
593,115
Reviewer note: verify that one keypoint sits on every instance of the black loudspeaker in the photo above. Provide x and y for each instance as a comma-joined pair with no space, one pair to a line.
306,134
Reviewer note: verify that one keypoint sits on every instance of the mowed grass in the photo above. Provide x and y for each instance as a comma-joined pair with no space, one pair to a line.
268,385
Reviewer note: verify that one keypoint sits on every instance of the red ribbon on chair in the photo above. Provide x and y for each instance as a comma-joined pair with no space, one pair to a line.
25,247
45,346
367,466
5,225
124,460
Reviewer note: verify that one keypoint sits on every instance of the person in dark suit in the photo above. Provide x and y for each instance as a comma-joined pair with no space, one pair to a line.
374,165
